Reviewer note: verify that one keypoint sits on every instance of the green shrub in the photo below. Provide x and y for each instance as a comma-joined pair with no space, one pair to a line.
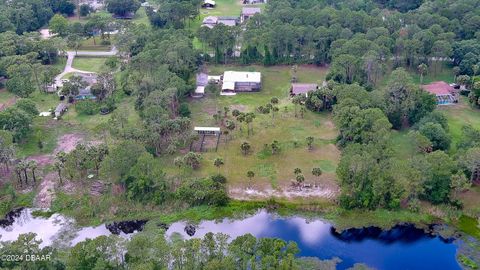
86,107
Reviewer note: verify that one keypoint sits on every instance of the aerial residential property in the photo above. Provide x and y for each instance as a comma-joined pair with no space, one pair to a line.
445,93
238,81
240,135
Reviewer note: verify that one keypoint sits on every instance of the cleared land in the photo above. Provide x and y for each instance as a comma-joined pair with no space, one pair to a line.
273,172
94,64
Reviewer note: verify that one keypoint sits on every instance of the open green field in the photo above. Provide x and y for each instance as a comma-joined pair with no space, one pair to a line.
141,17
441,73
94,44
459,115
94,64
271,170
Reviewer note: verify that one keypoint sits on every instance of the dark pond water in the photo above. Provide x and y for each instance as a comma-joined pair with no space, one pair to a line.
402,248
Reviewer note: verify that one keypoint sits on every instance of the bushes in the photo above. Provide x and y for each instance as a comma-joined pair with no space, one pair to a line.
203,191
86,107
434,127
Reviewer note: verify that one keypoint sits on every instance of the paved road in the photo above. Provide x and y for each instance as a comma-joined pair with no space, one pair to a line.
71,55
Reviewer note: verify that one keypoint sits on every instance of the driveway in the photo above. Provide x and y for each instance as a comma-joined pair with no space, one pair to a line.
71,55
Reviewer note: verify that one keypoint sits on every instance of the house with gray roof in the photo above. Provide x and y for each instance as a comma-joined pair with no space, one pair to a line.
248,12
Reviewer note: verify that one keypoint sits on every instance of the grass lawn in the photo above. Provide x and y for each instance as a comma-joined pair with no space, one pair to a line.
94,64
270,170
5,96
459,115
141,17
44,129
442,73
94,44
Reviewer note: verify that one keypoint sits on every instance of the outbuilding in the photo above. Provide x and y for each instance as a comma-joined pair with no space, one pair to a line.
302,88
208,4
248,12
60,109
239,81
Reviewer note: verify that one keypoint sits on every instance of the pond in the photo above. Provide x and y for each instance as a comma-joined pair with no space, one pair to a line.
57,230
402,247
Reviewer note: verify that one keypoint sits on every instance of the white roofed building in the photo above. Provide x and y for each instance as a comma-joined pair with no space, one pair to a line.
239,81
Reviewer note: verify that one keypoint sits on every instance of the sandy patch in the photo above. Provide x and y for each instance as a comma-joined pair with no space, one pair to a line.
285,192
8,103
239,107
329,124
42,160
68,142
46,191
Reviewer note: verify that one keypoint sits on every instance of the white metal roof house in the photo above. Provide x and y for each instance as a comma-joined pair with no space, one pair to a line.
239,81
208,4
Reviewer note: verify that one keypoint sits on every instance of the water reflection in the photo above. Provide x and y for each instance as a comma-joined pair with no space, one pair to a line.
402,247
57,230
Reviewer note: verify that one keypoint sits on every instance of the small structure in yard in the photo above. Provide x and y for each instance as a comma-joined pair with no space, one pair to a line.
228,20
214,79
211,21
248,12
208,4
445,93
207,131
302,88
201,82
60,110
239,81
253,2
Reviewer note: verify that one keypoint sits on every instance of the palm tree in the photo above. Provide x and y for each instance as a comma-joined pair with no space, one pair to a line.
317,172
245,146
309,142
422,70
18,171
58,167
23,165
297,171
32,165
300,179
218,162
250,175
249,119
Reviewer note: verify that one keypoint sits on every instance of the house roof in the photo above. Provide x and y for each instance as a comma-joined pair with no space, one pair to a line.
241,76
228,22
202,79
303,88
210,2
208,25
217,129
249,11
439,88
228,85
210,20
200,90
60,107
